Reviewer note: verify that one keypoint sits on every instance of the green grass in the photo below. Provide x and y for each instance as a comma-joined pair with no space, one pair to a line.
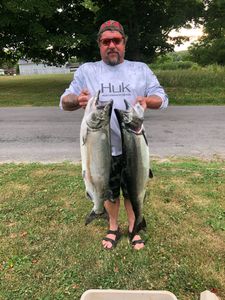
46,252
35,90
194,87
184,87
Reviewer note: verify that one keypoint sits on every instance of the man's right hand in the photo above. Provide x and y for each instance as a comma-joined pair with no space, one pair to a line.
74,102
83,98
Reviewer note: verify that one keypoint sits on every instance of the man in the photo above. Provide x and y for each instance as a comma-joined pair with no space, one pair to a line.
117,79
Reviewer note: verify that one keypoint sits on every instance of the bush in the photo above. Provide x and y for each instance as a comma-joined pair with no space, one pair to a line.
175,65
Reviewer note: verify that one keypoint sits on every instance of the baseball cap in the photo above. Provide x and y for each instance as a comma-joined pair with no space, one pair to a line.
112,26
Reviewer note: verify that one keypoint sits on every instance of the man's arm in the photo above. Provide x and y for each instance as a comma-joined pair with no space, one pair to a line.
73,102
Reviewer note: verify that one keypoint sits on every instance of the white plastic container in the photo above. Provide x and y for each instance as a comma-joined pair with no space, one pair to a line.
127,295
207,295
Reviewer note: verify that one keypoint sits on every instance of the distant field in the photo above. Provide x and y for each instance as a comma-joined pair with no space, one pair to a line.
194,87
184,87
35,90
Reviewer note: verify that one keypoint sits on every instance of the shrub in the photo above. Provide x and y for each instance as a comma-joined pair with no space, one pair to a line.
175,65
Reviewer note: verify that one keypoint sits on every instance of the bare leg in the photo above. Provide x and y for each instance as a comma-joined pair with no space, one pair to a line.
131,220
113,212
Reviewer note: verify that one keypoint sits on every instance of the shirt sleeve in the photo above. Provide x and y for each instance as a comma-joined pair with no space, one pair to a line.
153,87
76,85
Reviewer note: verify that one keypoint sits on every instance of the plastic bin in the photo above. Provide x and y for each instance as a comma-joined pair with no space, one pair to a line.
127,295
207,295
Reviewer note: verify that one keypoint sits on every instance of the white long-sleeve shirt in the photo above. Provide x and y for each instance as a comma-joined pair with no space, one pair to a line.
126,80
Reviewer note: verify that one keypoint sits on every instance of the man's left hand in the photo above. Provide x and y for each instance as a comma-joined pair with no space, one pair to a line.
153,101
142,101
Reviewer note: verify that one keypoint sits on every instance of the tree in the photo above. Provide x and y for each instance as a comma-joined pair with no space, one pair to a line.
48,30
55,30
148,23
211,47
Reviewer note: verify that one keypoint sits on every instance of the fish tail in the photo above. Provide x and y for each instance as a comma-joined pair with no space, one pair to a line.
138,226
110,197
93,216
142,225
150,175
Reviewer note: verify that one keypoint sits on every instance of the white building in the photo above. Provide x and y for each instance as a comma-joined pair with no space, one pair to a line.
27,67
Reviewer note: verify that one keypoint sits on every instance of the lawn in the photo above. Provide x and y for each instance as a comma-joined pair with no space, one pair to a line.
46,252
194,87
34,90
184,87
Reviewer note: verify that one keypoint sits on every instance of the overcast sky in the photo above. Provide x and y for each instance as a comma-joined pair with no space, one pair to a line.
194,34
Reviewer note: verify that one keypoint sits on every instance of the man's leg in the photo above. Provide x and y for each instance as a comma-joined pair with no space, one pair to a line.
131,220
113,212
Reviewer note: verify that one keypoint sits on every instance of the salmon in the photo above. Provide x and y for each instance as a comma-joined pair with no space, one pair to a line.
96,154
136,159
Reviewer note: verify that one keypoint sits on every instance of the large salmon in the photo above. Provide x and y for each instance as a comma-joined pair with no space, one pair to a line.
96,154
136,158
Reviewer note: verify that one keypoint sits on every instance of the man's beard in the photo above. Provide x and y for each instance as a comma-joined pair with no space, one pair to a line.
114,60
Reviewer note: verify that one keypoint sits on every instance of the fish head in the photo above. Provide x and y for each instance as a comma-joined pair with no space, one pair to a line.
92,103
132,119
100,116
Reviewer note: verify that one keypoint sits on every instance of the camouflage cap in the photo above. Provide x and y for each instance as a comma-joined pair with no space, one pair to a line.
112,26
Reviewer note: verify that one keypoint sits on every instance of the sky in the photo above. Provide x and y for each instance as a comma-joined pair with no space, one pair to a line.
194,34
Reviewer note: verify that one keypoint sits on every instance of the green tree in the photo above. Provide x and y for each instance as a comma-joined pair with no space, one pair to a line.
56,30
210,49
148,23
49,30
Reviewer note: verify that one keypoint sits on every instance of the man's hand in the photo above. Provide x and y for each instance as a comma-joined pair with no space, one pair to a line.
153,101
83,98
142,101
74,102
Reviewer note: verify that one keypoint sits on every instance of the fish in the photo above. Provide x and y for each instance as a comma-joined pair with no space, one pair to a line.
95,147
136,159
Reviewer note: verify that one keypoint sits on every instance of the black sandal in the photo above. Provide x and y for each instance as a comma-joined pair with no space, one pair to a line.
113,242
133,243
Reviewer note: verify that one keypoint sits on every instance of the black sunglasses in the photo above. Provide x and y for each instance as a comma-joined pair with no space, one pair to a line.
107,42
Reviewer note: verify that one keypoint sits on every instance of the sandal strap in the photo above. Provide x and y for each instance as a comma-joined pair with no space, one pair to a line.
116,232
113,242
137,242
130,235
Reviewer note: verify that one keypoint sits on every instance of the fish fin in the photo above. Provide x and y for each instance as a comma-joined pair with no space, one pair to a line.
93,216
110,197
150,175
88,196
145,137
84,136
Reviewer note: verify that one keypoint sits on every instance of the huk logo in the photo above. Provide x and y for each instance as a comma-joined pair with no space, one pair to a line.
111,88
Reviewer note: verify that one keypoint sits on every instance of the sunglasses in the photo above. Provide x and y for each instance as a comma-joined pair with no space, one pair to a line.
107,42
